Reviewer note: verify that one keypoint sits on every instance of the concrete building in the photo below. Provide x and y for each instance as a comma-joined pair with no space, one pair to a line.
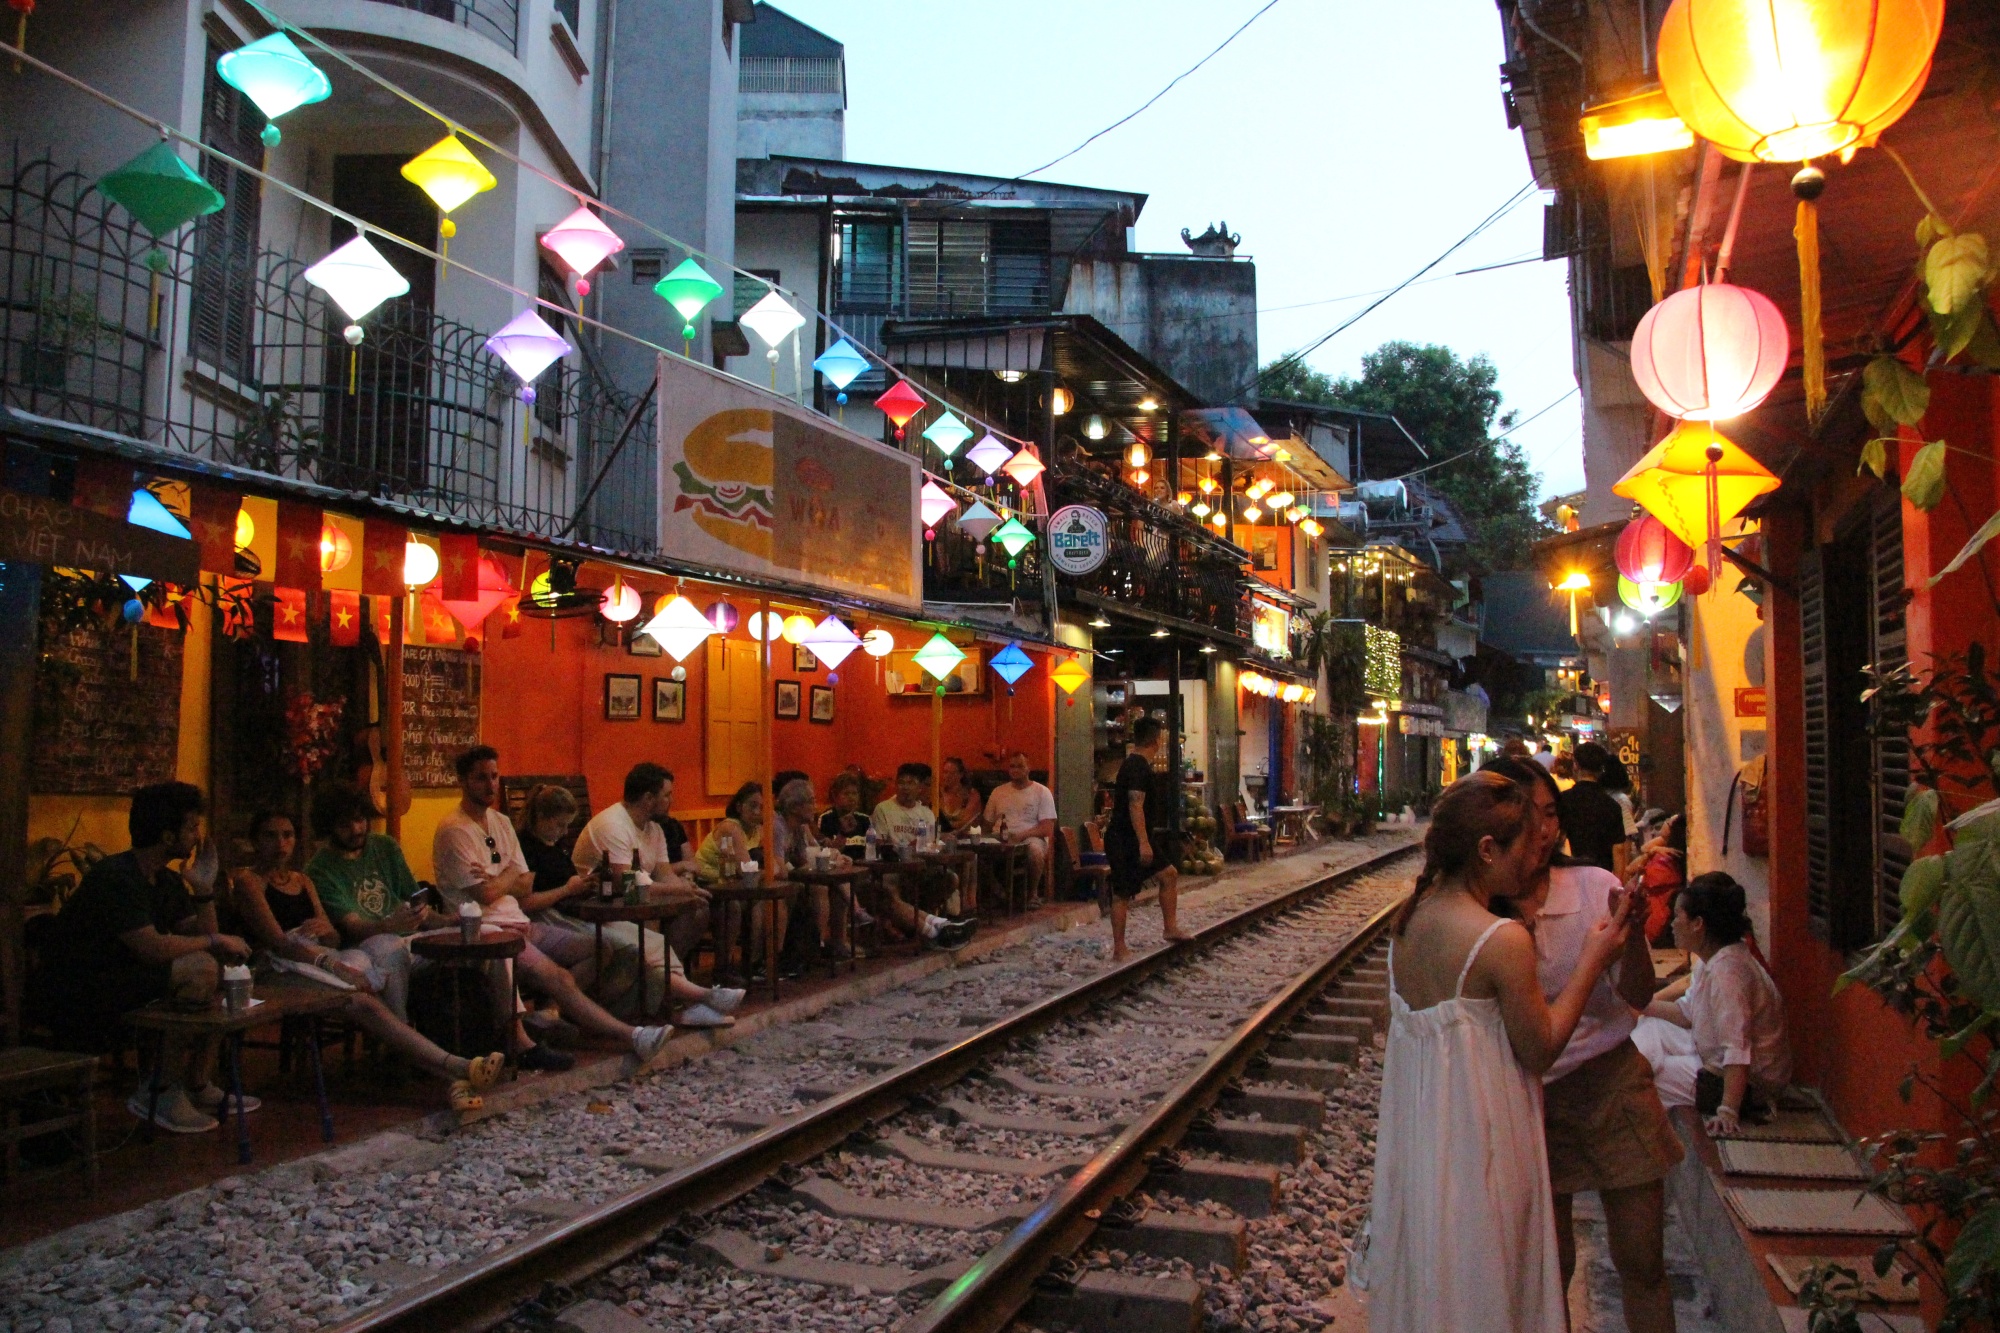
792,90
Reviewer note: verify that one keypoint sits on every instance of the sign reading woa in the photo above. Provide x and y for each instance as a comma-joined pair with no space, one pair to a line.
755,484
1077,539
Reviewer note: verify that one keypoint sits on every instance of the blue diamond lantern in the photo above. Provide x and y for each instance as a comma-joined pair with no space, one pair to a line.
1011,663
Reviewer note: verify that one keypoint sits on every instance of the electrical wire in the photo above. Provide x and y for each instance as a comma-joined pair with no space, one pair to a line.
1492,440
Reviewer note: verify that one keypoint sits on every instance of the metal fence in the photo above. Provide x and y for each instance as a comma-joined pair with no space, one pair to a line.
241,361
790,74
499,20
1156,558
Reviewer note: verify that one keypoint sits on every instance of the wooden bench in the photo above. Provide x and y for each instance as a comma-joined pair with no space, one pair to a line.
28,1070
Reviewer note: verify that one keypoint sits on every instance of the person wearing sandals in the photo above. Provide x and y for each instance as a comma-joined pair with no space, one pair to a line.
1606,1129
281,913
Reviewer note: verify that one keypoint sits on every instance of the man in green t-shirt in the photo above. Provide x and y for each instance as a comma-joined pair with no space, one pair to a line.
366,886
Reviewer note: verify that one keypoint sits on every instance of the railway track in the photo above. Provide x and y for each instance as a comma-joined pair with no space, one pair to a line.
1185,1074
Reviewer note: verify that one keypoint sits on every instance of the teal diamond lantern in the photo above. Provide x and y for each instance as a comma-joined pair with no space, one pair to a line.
1014,537
948,433
688,289
842,364
275,74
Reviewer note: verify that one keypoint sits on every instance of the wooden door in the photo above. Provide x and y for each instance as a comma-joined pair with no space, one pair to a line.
733,711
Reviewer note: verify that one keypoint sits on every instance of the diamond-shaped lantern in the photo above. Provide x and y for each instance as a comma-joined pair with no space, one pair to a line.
933,503
679,628
1071,675
989,455
842,364
1011,663
161,190
583,242
1014,537
773,320
1024,467
977,520
273,73
831,641
357,279
529,346
940,657
899,404
449,173
947,433
688,289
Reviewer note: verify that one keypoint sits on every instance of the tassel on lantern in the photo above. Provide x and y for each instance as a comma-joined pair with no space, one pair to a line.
21,8
1807,185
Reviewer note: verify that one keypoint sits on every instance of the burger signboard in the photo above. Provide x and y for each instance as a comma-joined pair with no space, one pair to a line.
1077,539
752,483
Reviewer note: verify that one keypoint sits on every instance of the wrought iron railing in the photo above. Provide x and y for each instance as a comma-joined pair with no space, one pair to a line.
1157,560
241,361
499,20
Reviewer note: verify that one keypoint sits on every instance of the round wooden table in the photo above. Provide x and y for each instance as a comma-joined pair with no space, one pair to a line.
1010,866
750,896
961,859
834,877
449,948
599,912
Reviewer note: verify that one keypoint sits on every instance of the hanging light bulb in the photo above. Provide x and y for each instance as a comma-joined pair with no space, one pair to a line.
583,242
275,75
1137,455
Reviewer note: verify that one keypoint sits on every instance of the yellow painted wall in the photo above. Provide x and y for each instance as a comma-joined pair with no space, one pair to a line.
427,811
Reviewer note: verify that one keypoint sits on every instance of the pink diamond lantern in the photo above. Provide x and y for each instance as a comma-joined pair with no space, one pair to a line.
988,455
1024,467
934,504
529,346
583,242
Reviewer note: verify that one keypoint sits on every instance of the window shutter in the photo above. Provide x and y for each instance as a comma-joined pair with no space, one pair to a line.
1888,651
1819,795
225,265
948,267
1020,268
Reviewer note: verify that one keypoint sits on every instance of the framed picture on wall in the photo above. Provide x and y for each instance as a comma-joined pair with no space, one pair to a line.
643,645
788,699
669,700
822,703
621,697
803,659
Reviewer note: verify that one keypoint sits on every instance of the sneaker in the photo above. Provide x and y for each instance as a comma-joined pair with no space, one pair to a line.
646,1042
212,1098
862,917
176,1114
545,1059
955,934
702,1016
724,1000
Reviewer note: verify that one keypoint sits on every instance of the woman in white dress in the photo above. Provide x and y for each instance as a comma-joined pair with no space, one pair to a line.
1461,1235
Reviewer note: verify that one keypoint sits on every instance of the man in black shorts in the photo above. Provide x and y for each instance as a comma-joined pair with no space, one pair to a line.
1137,841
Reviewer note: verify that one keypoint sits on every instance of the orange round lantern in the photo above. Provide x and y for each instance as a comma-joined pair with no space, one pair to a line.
336,548
1792,80
1710,352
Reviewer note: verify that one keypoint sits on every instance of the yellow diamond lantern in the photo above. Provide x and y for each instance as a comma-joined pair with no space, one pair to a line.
1672,481
449,173
939,657
1070,675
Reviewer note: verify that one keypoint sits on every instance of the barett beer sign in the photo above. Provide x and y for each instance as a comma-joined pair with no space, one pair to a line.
754,484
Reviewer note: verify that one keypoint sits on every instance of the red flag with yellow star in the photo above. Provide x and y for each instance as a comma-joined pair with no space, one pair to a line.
510,617
440,626
212,519
382,544
298,546
344,618
458,567
288,616
378,612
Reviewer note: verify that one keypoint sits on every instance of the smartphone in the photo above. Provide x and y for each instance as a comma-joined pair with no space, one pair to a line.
427,896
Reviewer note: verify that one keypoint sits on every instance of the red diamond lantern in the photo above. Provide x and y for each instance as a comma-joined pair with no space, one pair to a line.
900,404
1649,552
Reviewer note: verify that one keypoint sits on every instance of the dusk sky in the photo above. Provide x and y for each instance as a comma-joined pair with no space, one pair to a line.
1348,142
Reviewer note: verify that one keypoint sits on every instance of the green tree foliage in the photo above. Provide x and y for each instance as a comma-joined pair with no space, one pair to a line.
1451,406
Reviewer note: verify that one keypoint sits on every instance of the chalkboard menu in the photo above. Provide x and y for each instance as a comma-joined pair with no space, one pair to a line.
440,713
99,731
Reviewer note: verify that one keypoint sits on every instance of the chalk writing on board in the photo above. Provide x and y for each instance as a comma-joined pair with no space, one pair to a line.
440,712
99,731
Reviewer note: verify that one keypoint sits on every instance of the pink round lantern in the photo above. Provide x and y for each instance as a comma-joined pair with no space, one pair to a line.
1649,552
1709,353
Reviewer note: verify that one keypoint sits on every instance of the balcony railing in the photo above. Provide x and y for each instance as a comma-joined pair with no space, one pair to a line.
1158,560
499,20
791,74
241,361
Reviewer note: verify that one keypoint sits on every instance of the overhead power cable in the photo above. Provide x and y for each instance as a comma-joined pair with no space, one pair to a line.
1467,453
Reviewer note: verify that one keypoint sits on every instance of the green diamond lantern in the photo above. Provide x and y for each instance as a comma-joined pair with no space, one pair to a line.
940,657
688,289
160,190
1015,537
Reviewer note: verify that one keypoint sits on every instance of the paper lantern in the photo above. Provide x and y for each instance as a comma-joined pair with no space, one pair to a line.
1311,527
1695,481
1648,598
767,628
1094,427
583,242
1649,552
977,519
899,404
831,641
934,503
721,615
357,279
160,190
493,590
795,628
1792,80
1137,455
947,433
1024,468
688,289
1014,537
449,173
273,73
1697,581
1070,674
1199,509
420,563
773,320
678,628
878,643
841,364
621,602
940,657
1011,663
1710,352
146,511
989,455
246,529
529,346
336,548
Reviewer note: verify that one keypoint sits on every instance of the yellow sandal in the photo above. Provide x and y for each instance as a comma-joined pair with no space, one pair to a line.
480,1075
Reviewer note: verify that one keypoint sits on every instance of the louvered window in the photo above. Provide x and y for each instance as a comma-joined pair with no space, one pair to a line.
871,266
1892,754
225,257
1018,276
948,260
1812,636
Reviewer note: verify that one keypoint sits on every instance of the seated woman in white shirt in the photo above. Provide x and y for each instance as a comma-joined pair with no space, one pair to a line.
1721,1046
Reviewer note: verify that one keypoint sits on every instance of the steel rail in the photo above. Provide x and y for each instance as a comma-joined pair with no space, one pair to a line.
988,1296
486,1290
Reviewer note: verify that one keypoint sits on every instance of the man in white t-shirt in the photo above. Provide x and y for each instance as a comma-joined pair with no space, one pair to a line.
1023,811
902,822
627,836
477,858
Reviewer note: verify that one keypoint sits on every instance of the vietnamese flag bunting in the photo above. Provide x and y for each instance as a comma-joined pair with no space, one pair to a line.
344,619
458,568
378,611
288,616
382,544
212,520
103,486
239,618
298,546
510,617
